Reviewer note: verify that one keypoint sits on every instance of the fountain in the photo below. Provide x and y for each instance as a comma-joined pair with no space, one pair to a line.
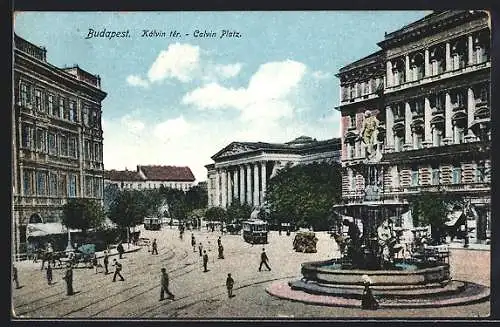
370,254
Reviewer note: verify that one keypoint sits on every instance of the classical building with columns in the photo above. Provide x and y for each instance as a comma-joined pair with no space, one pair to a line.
241,170
57,138
429,85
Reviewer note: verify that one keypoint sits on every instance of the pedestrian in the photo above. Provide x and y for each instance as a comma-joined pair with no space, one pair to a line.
219,242
221,251
205,260
118,268
368,301
200,249
95,262
106,262
193,242
14,276
229,285
264,260
49,274
120,249
164,285
68,277
154,247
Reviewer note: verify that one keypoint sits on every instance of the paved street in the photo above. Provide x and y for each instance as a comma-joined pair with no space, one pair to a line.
203,295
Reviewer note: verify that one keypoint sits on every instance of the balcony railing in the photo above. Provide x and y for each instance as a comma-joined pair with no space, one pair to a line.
38,201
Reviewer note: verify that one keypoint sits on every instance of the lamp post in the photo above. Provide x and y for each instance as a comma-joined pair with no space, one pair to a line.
69,247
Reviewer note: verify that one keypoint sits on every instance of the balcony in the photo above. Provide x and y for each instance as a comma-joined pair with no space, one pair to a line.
38,201
447,74
462,187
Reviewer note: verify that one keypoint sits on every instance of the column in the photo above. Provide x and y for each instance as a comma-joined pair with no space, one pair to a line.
256,184
448,128
217,195
249,184
407,69
210,193
408,118
426,63
470,53
389,118
264,185
236,192
229,188
471,108
357,152
389,74
242,184
427,123
448,57
223,189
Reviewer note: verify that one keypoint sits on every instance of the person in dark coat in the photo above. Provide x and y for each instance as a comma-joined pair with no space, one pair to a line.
264,260
68,278
118,268
200,249
14,276
368,301
106,262
164,285
49,274
221,251
120,249
205,261
193,242
154,247
219,241
229,285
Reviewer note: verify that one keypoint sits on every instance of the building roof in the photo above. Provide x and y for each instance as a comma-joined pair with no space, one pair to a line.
167,173
122,175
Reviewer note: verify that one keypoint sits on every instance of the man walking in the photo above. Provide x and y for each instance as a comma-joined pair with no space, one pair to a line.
106,262
193,242
120,249
118,268
229,285
68,277
154,247
200,249
164,285
205,261
14,276
49,274
221,251
264,260
219,242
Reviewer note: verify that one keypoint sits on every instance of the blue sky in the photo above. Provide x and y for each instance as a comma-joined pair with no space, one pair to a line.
177,101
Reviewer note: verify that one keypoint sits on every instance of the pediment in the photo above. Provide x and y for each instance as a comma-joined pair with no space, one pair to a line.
233,149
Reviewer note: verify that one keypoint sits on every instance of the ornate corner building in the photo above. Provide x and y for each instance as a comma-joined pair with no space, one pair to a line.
430,87
56,138
241,170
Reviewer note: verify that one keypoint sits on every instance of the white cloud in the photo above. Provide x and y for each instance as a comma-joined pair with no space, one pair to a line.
135,80
266,95
171,129
134,126
228,71
180,61
318,74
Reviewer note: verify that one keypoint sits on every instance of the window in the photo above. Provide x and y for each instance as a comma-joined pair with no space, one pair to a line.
28,182
72,185
72,111
97,187
50,104
480,173
63,185
41,140
458,134
458,99
353,91
456,177
38,100
88,186
60,111
399,111
24,95
64,145
417,107
26,131
88,150
352,150
366,87
66,109
41,183
85,114
345,93
435,176
52,143
72,147
437,136
96,152
52,184
398,143
414,177
417,140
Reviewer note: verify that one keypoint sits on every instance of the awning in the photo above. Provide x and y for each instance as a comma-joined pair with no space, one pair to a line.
44,229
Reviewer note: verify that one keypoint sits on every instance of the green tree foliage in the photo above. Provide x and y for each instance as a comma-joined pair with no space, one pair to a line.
304,195
110,193
129,208
237,212
216,214
196,198
83,213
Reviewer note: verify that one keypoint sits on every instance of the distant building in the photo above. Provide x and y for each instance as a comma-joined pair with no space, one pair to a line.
56,138
242,169
151,177
430,88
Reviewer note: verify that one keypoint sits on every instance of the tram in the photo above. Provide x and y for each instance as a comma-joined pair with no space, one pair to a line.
255,231
152,223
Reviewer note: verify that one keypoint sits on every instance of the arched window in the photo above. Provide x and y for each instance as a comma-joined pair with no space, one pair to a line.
459,54
437,128
481,47
399,137
417,66
458,99
417,134
437,60
459,122
398,71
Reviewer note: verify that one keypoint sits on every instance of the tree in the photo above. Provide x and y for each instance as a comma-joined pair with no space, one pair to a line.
430,208
128,209
216,214
237,211
304,195
82,213
196,198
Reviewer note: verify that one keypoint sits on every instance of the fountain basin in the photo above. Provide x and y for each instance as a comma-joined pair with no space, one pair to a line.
406,273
